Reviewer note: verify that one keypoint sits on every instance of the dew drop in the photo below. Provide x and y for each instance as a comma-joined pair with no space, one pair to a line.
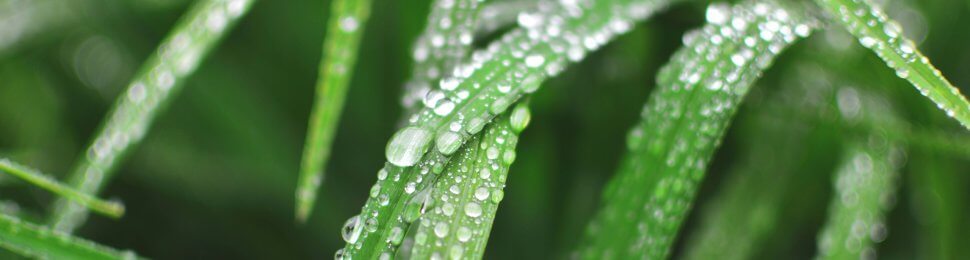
481,193
520,118
441,229
464,234
448,142
351,230
444,108
348,24
407,146
472,209
534,60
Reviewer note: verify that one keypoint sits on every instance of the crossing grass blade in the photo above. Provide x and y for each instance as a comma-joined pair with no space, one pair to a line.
110,209
494,79
698,92
346,26
884,36
160,78
40,242
463,202
864,185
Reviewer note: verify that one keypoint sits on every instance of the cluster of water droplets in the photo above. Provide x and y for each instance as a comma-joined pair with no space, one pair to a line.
443,45
864,193
177,57
876,31
546,41
468,193
697,94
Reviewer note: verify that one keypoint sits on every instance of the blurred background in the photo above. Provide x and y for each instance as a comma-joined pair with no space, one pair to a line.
216,174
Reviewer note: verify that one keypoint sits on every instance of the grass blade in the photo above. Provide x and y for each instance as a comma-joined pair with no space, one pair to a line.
40,242
884,36
464,201
443,45
160,78
110,209
346,26
697,95
494,79
864,185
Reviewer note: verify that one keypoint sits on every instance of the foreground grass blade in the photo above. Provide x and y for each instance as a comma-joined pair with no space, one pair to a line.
884,36
443,45
698,92
411,167
346,26
40,242
111,209
160,78
864,186
464,201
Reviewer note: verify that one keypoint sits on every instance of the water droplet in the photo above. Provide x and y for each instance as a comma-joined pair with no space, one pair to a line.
520,118
717,13
348,24
407,146
444,108
340,254
351,230
534,60
396,236
448,142
450,83
441,229
481,193
464,234
472,209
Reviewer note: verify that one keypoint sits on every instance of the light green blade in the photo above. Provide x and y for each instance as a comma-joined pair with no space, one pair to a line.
346,26
884,36
160,78
111,209
40,242
698,92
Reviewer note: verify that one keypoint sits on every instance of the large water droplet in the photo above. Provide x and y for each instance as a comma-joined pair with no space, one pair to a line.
520,118
407,146
472,209
448,142
351,230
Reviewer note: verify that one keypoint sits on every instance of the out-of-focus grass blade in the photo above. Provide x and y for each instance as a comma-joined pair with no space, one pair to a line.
698,92
443,45
111,209
884,36
40,242
495,78
346,26
864,188
461,206
160,78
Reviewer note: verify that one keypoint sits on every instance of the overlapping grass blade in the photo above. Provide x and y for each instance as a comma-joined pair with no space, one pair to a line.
111,209
864,186
884,36
346,27
486,86
696,97
160,78
442,46
462,204
35,241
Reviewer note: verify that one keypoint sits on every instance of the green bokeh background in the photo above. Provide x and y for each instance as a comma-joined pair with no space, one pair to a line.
216,174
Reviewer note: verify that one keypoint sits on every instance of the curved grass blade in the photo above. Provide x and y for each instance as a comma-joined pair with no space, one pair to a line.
412,168
884,36
110,209
160,78
698,93
498,14
465,198
864,185
40,242
346,26
443,45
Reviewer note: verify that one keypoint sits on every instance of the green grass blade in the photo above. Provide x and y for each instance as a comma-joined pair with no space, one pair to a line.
498,14
443,45
111,209
160,78
501,68
864,185
696,97
40,242
466,197
346,27
884,36
515,65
